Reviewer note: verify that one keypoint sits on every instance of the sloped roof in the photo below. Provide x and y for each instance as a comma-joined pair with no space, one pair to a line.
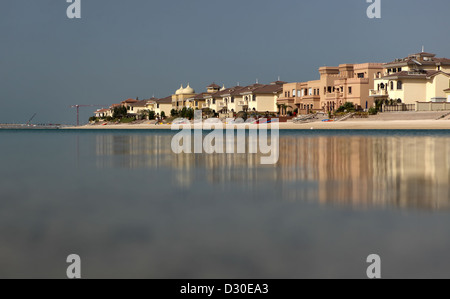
268,89
130,101
415,75
142,103
213,85
166,100
200,96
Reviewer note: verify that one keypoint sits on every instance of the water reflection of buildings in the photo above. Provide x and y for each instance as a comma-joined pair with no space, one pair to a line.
361,171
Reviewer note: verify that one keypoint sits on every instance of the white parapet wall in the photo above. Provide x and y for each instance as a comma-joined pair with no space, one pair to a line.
432,106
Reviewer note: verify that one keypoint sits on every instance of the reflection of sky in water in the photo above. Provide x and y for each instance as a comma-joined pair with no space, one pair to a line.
131,208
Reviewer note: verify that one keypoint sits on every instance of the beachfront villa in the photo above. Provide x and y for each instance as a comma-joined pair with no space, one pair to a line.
336,86
102,113
163,105
256,97
420,77
181,97
199,101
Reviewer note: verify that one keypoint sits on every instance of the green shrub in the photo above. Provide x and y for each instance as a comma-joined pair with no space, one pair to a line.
127,120
120,112
163,114
347,107
373,111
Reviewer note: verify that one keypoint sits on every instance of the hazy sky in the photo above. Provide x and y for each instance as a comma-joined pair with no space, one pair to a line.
137,48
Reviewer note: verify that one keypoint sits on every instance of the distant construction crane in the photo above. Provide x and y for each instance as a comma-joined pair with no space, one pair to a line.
34,115
78,111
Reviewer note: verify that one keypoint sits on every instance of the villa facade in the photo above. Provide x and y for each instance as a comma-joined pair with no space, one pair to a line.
420,77
336,86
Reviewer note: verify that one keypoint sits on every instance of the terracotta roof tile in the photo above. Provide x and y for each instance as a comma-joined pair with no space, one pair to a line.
166,100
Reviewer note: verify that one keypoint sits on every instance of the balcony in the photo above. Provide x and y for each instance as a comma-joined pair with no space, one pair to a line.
242,103
335,95
378,93
204,106
221,105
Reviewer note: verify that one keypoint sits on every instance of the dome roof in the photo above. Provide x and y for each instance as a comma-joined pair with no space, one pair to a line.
180,91
188,90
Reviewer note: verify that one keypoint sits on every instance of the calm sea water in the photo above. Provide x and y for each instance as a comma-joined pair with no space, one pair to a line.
132,209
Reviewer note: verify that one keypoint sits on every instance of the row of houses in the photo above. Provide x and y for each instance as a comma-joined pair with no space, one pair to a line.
420,77
137,107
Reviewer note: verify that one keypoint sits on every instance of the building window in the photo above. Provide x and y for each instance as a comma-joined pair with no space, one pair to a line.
289,94
399,85
232,99
324,90
310,92
254,98
157,106
392,85
214,101
439,67
299,93
361,75
350,90
342,88
293,93
399,69
329,89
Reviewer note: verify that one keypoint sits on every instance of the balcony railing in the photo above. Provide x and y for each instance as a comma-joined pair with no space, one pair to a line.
242,103
221,105
378,93
205,106
335,95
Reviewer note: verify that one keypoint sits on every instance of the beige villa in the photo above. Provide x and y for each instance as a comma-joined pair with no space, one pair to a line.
420,77
256,97
336,86
199,101
102,113
160,105
163,105
181,96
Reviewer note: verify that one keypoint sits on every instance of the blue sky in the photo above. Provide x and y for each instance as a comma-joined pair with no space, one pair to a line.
137,48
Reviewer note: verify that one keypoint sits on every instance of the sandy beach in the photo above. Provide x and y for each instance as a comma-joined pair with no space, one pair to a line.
385,121
346,125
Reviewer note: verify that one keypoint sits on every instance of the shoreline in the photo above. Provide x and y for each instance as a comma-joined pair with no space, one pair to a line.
345,125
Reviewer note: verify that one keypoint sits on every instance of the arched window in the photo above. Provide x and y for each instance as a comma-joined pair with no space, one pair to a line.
399,85
392,85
